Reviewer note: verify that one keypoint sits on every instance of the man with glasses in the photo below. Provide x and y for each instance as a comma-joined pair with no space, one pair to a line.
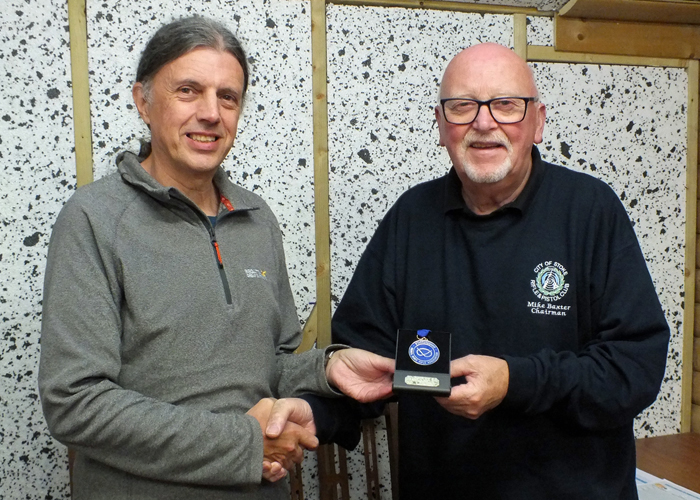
558,337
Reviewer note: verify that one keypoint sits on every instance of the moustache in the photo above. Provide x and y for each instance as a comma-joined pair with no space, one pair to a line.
497,138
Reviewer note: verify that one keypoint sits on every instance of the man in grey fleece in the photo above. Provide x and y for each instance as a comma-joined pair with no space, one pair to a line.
168,324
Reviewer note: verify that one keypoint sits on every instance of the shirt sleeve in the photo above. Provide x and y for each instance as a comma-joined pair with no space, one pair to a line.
85,407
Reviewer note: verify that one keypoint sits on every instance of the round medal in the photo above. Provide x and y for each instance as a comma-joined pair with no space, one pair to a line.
423,352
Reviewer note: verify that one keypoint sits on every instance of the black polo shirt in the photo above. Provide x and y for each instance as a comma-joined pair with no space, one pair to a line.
554,283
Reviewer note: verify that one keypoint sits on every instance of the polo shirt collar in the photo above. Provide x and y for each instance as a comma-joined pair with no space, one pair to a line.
453,190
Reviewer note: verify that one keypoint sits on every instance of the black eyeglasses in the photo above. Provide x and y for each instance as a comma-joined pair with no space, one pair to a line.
504,110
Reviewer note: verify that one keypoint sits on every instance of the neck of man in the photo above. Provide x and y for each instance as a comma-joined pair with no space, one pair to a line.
486,198
200,189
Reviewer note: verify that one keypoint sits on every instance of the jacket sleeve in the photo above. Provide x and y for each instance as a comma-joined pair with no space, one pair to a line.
85,407
296,373
363,319
618,372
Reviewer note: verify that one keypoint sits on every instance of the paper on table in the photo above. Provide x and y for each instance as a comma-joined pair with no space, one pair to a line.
653,488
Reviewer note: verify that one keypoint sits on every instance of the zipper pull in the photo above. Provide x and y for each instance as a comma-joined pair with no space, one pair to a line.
218,254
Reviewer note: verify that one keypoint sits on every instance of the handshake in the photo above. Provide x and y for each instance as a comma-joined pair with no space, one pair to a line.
288,426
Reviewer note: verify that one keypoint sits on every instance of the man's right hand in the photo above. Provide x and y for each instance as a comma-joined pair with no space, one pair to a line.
286,446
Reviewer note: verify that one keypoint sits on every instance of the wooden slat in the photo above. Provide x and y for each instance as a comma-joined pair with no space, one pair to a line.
549,54
369,442
695,423
445,5
696,388
691,199
321,188
651,11
82,127
332,475
626,38
310,333
520,35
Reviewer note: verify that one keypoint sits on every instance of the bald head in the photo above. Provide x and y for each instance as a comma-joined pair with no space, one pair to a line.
490,69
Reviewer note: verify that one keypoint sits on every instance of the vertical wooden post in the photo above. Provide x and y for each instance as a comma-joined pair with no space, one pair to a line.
82,124
691,246
322,216
520,35
330,482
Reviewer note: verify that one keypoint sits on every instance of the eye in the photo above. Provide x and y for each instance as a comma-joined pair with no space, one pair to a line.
505,103
229,99
462,105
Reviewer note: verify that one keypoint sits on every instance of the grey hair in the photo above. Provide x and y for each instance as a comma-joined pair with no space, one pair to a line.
176,39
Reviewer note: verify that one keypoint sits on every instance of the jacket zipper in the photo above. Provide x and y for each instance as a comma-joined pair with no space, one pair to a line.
219,263
214,243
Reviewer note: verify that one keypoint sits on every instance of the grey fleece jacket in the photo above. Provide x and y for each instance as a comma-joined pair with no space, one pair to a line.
151,352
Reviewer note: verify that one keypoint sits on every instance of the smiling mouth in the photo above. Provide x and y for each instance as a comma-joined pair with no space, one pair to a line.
202,138
485,145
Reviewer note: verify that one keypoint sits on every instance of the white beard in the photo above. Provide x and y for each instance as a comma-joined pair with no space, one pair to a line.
478,176
489,177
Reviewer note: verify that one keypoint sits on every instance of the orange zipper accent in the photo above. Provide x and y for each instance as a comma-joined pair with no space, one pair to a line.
226,203
218,254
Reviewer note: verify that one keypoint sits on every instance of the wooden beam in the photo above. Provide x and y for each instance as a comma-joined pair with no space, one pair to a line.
626,38
82,125
549,54
520,35
650,11
445,5
310,333
321,181
691,201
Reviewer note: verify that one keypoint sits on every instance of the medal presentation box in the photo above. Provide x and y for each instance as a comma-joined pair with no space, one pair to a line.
423,362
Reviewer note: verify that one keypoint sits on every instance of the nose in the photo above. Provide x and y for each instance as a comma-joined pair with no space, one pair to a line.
484,120
208,109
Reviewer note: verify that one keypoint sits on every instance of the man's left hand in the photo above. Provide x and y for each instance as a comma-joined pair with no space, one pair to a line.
360,374
487,385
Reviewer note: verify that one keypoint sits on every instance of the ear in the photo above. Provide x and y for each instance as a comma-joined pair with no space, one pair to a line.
142,104
438,119
541,118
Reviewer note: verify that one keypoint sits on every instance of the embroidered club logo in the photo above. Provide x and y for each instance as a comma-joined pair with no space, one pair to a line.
550,281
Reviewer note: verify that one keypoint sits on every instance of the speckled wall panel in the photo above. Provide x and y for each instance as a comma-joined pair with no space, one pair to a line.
540,31
273,152
627,126
36,177
384,68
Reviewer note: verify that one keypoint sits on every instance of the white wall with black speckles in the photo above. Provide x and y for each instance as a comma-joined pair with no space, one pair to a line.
626,125
37,175
540,30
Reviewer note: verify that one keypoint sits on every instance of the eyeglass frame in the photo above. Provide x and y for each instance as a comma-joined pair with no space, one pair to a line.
488,106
